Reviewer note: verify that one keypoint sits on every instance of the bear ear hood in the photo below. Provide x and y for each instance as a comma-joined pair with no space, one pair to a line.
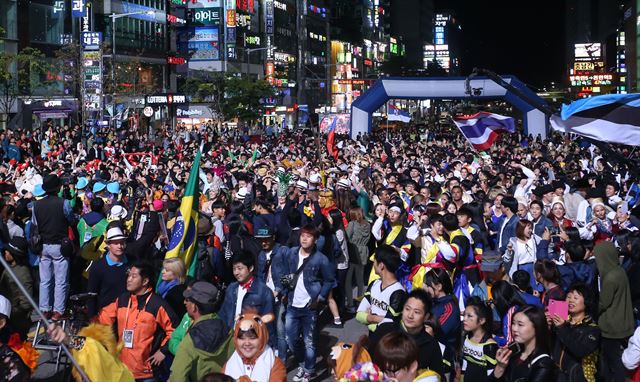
606,257
252,321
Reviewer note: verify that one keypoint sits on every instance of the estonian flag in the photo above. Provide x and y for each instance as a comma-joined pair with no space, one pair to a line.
611,118
482,129
395,114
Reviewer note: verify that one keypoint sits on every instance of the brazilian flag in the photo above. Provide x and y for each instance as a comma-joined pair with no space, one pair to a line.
183,241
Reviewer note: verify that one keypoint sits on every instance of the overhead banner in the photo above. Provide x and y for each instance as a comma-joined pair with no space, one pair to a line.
92,79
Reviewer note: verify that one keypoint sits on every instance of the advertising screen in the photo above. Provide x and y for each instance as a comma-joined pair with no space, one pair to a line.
204,34
204,16
586,52
204,3
204,50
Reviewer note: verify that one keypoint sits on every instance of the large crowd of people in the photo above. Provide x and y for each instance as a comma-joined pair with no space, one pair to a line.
521,263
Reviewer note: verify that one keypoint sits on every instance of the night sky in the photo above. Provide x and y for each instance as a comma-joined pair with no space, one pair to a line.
523,38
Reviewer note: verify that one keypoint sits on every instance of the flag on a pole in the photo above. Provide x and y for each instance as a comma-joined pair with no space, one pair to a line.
482,129
331,139
183,241
395,114
613,118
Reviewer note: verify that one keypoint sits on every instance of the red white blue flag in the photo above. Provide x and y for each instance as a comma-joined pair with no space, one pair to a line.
482,129
331,139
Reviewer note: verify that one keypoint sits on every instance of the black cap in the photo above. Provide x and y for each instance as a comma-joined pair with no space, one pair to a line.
202,292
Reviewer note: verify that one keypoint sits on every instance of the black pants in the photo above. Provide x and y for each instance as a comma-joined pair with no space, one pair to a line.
612,368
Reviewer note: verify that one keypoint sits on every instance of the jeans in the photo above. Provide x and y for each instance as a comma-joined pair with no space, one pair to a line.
356,270
302,321
54,279
281,340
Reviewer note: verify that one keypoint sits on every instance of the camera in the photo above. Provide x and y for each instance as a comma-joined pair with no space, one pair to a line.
555,231
288,281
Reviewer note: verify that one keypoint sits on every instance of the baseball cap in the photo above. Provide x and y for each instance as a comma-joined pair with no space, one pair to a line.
202,292
491,261
5,306
263,233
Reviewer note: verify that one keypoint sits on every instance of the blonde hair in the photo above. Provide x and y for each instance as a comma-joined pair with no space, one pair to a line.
176,265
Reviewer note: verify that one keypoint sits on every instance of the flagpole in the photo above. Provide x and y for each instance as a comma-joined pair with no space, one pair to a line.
386,104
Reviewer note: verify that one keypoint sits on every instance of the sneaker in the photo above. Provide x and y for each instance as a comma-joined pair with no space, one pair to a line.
307,377
56,316
299,374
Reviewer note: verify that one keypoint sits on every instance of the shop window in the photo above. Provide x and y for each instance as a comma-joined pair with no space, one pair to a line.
8,16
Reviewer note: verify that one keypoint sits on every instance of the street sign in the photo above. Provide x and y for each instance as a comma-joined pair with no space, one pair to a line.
147,111
91,40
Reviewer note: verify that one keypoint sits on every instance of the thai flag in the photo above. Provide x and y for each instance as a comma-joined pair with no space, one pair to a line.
395,114
331,139
482,129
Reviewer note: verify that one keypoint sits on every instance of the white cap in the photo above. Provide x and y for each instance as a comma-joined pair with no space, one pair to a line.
301,184
117,212
396,209
242,193
114,234
5,306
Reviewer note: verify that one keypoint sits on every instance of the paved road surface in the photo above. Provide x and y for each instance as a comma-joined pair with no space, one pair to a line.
327,337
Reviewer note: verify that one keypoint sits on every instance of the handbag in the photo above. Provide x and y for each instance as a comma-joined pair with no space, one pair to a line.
35,240
290,280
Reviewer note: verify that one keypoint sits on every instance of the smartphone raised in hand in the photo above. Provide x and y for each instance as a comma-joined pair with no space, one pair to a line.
515,347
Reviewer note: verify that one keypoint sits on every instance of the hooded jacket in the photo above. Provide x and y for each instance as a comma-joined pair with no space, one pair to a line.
615,308
204,349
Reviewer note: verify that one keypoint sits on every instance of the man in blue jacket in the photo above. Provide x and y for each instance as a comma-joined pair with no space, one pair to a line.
247,292
269,271
508,228
310,278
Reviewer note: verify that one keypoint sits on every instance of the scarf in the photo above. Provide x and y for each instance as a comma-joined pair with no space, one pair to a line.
165,286
260,371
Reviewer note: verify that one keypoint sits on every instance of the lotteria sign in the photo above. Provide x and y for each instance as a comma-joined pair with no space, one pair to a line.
165,99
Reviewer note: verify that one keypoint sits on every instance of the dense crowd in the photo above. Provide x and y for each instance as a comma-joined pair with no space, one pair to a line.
521,263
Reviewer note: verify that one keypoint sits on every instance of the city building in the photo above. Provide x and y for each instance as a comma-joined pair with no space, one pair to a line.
595,47
444,51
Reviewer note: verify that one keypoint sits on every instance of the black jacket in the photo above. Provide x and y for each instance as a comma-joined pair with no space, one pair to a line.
573,344
539,367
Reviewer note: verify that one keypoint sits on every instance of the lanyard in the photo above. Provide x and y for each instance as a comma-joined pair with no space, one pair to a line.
135,322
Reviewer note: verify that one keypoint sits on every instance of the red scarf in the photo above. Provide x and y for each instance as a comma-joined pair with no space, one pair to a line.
247,285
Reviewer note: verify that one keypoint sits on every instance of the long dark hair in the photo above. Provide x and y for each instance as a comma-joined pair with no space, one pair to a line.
539,321
336,218
483,311
440,277
505,296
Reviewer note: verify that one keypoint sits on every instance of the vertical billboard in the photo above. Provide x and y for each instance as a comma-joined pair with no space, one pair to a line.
230,29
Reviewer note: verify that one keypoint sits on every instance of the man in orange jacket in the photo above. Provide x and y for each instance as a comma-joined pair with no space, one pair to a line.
137,315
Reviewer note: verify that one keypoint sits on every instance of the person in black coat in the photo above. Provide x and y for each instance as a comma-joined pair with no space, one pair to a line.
532,362
416,309
577,340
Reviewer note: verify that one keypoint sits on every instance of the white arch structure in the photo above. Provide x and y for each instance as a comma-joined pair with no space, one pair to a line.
420,88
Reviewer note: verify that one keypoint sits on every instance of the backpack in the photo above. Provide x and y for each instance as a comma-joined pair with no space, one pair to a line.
92,240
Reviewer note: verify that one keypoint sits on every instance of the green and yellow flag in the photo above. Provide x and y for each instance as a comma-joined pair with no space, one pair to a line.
184,241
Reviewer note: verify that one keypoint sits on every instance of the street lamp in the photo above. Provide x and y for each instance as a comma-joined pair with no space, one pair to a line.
248,54
114,17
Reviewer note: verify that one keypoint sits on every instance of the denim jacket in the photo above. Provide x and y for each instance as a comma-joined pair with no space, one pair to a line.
278,255
259,297
318,275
